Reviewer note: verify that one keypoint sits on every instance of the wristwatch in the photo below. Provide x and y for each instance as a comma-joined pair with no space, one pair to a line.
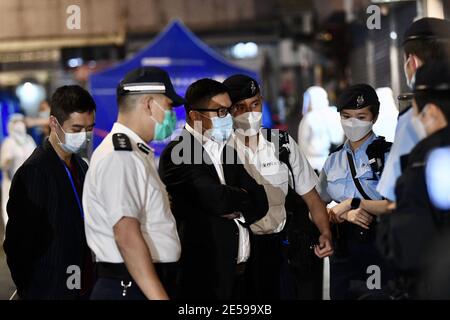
356,202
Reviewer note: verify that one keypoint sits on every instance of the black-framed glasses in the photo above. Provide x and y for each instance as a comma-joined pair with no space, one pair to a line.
222,112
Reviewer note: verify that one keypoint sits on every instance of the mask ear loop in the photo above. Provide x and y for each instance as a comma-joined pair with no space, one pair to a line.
57,136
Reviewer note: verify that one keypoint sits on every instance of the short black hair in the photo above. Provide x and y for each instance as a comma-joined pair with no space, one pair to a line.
69,99
428,49
201,92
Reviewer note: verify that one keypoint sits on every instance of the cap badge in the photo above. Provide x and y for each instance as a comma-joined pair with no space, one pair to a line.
360,100
253,87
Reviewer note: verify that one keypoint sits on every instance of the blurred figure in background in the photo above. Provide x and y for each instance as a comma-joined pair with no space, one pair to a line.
320,127
41,123
387,119
16,148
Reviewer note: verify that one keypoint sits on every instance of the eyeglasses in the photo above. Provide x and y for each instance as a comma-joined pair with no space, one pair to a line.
222,112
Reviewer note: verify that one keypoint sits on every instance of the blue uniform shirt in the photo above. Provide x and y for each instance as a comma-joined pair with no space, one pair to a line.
405,140
335,181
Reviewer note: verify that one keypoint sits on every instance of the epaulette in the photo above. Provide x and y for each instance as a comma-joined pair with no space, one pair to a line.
144,148
121,142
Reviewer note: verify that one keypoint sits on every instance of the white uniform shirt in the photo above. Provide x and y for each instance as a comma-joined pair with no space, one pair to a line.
126,184
214,150
263,165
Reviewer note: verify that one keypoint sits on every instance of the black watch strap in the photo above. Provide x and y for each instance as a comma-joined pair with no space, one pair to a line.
356,202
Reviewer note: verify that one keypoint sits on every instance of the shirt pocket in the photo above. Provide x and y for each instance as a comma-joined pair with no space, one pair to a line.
337,184
276,187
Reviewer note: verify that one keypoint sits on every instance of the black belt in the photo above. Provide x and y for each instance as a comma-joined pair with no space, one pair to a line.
119,270
113,270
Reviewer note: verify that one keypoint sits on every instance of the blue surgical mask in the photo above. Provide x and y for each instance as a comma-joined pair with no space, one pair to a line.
222,128
164,129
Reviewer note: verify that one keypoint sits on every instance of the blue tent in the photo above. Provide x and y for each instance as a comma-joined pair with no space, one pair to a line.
178,51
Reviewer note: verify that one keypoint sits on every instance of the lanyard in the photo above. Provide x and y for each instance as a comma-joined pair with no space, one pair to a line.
74,190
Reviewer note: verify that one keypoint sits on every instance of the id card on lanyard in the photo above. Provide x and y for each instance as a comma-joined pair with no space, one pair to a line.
74,190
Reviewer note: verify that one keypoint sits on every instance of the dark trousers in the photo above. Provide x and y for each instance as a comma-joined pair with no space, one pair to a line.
348,272
125,288
264,267
112,289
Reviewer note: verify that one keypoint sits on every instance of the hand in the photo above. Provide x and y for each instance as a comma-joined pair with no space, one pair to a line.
324,248
392,206
342,207
358,217
232,216
334,218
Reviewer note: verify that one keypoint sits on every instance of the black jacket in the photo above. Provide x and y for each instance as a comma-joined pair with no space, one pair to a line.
45,232
414,225
198,199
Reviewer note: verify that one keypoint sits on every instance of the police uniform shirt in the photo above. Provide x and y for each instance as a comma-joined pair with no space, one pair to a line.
214,150
125,183
264,166
335,180
405,140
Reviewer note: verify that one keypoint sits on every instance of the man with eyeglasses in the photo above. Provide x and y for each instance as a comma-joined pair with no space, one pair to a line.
213,198
278,171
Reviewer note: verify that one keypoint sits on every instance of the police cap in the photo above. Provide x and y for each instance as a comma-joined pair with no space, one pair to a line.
149,80
358,96
241,87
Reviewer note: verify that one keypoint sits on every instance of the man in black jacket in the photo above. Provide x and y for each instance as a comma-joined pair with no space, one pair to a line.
214,200
417,225
45,243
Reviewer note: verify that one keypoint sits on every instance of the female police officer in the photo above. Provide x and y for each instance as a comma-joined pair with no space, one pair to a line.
350,177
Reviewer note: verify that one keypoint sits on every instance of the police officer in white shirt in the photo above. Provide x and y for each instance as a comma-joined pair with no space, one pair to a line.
128,221
260,156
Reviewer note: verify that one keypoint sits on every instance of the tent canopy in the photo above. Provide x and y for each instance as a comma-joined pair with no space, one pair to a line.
176,50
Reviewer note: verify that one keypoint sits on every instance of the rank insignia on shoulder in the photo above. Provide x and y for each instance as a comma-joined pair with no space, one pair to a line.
144,148
121,142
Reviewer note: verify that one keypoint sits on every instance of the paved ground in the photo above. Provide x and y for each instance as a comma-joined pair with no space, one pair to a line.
6,285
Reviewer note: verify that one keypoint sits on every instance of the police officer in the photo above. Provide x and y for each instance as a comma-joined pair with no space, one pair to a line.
418,227
425,40
129,225
350,177
259,149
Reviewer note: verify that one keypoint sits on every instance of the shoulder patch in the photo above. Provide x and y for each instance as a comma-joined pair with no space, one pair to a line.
121,142
145,149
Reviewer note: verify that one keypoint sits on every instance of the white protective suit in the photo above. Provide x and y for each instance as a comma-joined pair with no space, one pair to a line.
319,128
16,148
387,119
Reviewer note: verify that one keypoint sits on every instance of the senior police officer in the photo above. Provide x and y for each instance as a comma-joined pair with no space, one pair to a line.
129,225
419,227
350,177
261,160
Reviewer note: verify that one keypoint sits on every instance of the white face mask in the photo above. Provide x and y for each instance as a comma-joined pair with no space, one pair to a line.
74,142
19,128
409,82
19,132
418,126
248,123
356,129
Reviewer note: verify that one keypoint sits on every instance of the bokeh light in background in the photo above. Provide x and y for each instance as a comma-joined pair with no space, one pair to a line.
438,178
